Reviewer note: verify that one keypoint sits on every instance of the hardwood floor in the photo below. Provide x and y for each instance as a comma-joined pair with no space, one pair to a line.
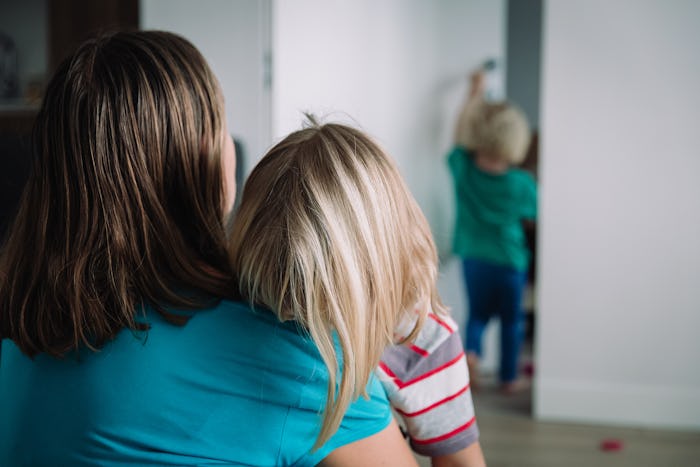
510,437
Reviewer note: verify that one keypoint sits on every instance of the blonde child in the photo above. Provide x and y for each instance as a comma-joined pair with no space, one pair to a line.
328,236
493,199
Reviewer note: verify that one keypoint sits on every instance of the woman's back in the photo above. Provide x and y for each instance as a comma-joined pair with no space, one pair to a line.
232,387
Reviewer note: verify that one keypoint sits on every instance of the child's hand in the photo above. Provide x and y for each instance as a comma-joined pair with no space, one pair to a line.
477,82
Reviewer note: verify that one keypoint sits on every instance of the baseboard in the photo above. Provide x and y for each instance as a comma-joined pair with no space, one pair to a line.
659,407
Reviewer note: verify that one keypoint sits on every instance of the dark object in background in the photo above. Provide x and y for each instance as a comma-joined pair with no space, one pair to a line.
15,163
9,86
240,169
71,22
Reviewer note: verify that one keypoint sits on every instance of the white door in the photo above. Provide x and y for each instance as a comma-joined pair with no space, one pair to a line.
234,36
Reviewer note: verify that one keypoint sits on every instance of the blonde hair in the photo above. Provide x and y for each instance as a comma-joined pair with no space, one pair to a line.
501,129
327,234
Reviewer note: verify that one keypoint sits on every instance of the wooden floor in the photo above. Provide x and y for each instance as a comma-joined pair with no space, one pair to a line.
510,437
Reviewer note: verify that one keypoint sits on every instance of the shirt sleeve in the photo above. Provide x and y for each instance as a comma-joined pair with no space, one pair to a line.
458,161
427,382
365,417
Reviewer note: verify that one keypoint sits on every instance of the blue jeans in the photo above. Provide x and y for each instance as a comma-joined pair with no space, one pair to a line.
495,290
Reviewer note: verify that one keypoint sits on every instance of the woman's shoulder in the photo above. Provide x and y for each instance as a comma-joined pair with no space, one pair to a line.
290,373
238,339
246,327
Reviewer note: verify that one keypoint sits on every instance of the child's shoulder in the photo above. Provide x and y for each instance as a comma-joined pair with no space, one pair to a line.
459,152
521,176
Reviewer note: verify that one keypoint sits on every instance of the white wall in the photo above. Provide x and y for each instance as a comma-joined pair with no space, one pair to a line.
617,340
234,37
397,68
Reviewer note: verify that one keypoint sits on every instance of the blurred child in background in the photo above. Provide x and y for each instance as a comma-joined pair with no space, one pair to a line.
493,199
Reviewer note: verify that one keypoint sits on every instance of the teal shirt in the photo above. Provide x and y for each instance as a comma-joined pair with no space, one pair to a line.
231,387
490,209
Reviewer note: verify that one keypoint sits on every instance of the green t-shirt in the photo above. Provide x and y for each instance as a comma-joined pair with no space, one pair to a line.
490,209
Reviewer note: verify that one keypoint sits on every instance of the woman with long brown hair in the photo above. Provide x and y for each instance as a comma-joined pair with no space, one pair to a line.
120,341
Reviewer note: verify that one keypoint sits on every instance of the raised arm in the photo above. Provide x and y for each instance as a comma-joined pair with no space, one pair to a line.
473,100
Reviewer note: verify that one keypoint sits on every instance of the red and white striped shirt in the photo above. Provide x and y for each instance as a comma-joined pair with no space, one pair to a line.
427,382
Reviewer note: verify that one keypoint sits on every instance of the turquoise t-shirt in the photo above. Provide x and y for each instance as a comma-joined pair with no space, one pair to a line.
490,208
232,387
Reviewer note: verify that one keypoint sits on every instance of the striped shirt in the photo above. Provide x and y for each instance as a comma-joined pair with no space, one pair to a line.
427,382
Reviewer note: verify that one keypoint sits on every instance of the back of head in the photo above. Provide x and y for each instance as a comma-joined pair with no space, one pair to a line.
327,234
502,130
124,202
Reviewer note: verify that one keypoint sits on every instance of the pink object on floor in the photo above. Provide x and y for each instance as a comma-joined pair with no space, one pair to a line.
611,444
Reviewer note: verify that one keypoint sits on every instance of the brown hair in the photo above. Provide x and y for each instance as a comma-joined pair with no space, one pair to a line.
123,206
328,235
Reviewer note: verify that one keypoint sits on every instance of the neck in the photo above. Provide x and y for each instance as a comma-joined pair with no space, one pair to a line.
489,163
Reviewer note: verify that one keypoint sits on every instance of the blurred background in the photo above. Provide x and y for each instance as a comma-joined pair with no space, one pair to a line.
611,91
